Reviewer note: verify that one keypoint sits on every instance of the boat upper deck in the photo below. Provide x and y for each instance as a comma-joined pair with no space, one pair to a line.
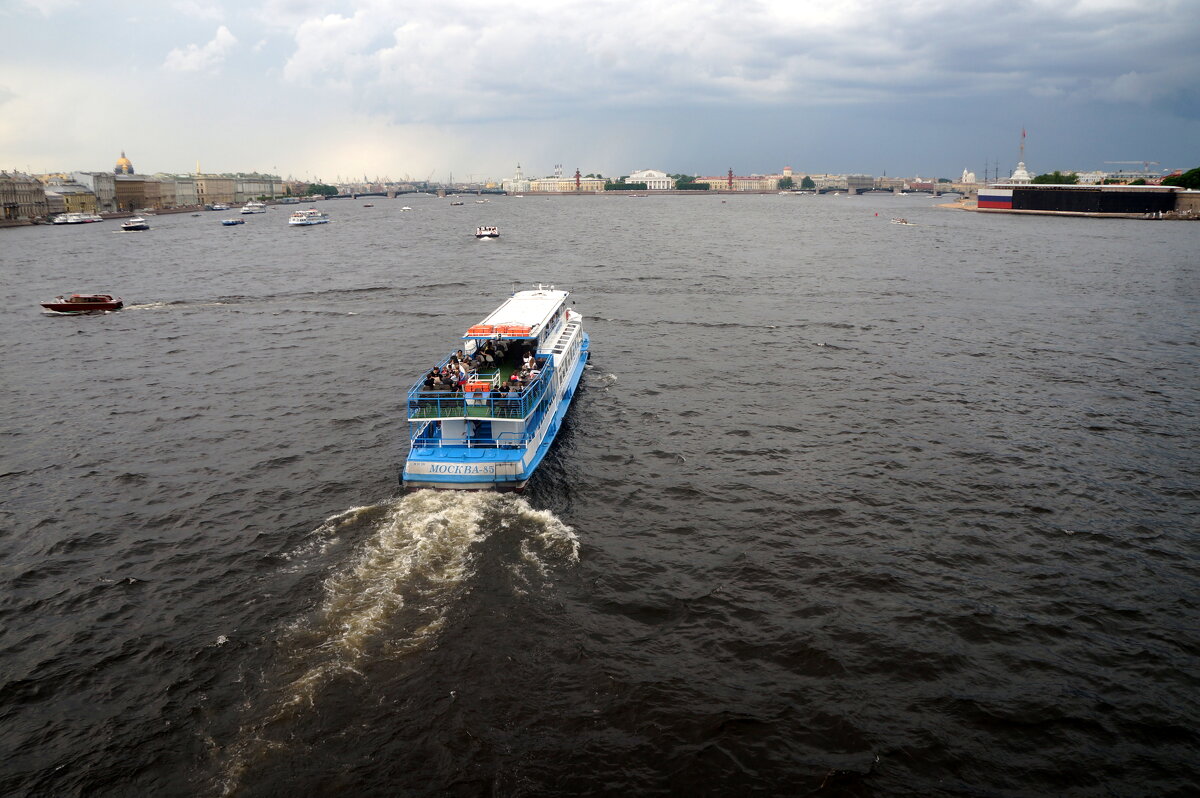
526,314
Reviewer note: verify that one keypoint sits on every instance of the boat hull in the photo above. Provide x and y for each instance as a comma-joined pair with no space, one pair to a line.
81,307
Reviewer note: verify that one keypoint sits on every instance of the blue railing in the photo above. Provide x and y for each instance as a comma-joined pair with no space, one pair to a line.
426,404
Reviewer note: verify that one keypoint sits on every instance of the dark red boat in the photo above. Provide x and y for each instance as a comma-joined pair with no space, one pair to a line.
83,303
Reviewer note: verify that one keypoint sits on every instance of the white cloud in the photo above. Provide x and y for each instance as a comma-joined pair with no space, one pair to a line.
195,58
473,60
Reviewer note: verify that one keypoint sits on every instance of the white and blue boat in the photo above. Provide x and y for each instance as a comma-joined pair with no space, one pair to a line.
492,424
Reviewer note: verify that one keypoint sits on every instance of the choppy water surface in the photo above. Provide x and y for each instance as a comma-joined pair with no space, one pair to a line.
842,508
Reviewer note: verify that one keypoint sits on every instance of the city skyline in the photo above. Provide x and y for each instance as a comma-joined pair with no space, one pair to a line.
321,90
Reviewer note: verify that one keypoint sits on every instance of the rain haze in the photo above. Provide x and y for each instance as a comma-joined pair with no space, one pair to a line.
328,90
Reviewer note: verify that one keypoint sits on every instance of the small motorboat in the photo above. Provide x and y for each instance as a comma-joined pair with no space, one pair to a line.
83,303
231,222
903,221
368,205
406,208
487,232
136,223
457,202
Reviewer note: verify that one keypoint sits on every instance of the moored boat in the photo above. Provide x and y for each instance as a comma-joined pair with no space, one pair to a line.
487,232
77,218
83,303
485,420
136,223
308,217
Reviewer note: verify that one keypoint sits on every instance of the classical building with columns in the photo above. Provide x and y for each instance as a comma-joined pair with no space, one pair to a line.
654,179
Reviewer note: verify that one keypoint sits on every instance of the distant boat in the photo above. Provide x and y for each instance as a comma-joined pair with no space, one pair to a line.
457,202
309,217
368,205
83,303
232,222
903,221
136,223
77,218
487,232
406,208
217,206
253,206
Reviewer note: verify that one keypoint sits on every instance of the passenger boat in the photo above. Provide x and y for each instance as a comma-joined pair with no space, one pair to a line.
487,232
308,217
492,430
220,206
254,206
232,222
136,223
77,218
83,303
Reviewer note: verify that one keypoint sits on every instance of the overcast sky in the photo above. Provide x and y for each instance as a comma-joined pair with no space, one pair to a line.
322,89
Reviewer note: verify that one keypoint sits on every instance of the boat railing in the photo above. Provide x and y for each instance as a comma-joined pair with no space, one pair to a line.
424,403
431,438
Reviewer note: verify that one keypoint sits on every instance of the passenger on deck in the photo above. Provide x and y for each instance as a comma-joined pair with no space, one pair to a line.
529,361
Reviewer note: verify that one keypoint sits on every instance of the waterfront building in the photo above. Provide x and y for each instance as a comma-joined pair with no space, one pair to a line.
565,185
67,196
253,186
178,191
732,182
516,184
213,189
829,182
131,192
856,184
654,179
22,199
103,185
55,204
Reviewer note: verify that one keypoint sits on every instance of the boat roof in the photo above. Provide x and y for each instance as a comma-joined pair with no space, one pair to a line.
530,309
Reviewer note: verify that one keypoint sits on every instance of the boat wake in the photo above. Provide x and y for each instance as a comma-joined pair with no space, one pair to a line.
391,601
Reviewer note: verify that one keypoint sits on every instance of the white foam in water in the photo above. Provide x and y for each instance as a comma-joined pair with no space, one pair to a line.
393,597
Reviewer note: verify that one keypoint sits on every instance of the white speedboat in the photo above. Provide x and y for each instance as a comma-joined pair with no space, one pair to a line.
489,424
254,206
308,217
487,232
136,223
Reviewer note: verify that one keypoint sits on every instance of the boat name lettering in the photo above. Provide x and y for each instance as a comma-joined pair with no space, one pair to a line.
440,468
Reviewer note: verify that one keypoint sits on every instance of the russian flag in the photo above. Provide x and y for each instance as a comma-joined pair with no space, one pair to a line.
998,198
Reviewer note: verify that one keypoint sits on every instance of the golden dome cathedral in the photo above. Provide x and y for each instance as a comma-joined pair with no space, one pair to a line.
124,167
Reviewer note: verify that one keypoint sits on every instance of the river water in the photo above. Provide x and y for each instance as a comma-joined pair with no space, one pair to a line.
842,507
